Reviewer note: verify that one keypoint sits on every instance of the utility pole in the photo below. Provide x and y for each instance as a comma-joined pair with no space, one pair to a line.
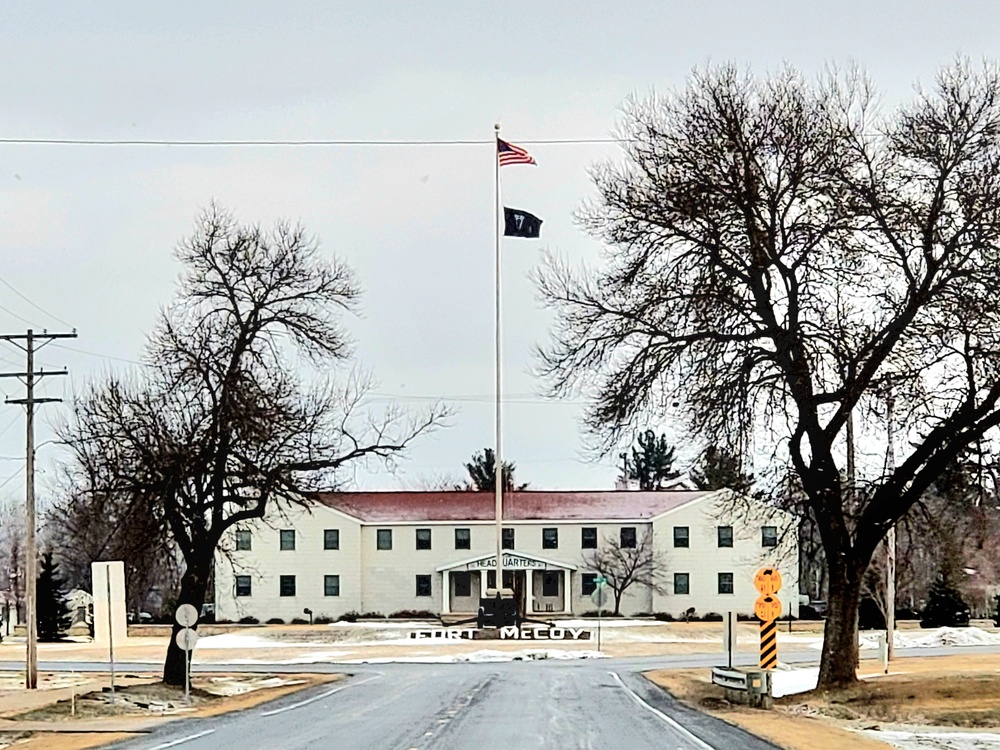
29,377
890,547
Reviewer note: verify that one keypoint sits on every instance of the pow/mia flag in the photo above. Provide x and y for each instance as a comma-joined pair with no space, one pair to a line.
518,223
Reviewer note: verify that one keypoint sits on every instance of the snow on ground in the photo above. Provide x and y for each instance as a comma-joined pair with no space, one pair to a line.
317,657
238,640
938,740
381,624
484,656
788,681
932,638
607,622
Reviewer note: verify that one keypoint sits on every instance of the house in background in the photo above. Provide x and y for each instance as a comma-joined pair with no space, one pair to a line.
396,552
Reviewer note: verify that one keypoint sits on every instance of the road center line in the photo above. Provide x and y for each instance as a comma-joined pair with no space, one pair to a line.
174,743
660,715
315,698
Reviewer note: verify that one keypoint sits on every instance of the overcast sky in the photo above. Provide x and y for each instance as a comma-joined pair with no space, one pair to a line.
87,232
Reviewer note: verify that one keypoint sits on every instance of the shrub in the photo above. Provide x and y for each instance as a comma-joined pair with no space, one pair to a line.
322,620
712,617
275,621
593,613
664,617
349,617
372,616
299,621
945,607
421,614
223,621
248,620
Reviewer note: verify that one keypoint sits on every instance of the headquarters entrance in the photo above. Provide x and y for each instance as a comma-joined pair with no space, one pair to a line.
540,586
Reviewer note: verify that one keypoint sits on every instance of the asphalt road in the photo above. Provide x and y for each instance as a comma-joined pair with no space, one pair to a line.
507,706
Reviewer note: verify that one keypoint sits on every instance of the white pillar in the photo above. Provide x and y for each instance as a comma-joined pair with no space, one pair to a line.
565,590
446,593
482,583
529,594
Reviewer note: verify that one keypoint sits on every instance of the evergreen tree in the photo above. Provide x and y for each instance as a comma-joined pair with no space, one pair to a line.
54,617
945,606
652,462
482,473
717,469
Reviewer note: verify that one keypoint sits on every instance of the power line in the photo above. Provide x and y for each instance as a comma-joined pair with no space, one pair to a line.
298,143
33,304
96,354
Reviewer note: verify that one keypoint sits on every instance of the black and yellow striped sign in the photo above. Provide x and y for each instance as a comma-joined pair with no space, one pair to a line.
768,645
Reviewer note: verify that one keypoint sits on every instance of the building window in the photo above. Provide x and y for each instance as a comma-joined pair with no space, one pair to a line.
287,585
588,537
628,537
243,586
383,539
287,540
725,536
682,536
423,538
550,583
331,585
462,582
331,539
243,540
423,585
550,538
588,583
463,539
682,583
507,539
725,583
508,579
769,536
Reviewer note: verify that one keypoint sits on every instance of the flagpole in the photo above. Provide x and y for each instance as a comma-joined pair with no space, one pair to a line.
498,451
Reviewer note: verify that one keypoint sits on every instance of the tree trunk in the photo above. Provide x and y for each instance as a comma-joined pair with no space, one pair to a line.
194,584
618,602
840,635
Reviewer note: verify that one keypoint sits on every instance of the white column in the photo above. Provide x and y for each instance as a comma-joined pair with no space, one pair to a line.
482,583
529,594
565,590
446,593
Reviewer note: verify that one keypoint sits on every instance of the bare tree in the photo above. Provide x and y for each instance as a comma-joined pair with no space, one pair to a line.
782,254
221,423
83,528
625,566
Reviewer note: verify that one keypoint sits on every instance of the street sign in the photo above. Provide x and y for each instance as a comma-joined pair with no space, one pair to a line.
186,615
767,608
600,580
186,639
599,597
767,581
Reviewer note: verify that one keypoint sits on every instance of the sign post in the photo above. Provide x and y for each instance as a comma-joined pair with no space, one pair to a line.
600,598
729,636
768,610
186,616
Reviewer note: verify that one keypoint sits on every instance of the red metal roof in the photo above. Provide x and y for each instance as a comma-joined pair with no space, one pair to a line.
385,507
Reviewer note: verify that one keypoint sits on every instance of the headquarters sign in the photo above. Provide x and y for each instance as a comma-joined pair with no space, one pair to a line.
510,562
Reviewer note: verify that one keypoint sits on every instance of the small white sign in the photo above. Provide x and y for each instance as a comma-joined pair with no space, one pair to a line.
186,615
186,639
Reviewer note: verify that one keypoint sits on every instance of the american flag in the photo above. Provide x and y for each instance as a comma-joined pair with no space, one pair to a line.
508,153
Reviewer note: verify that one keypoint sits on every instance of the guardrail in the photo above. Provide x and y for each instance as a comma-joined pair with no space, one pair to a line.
749,686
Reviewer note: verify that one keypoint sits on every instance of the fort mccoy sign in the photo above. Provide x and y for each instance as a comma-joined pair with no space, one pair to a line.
511,633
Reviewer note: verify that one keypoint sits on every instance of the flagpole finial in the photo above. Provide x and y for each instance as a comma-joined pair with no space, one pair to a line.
496,127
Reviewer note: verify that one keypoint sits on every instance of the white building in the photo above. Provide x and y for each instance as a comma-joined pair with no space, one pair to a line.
391,552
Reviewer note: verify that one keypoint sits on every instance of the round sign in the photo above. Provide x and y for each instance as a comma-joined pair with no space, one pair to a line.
186,615
767,608
599,597
186,638
767,581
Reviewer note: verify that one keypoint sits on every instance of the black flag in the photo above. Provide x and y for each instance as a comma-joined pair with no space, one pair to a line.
518,223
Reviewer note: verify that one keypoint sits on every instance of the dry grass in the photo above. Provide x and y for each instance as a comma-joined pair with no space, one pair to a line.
790,731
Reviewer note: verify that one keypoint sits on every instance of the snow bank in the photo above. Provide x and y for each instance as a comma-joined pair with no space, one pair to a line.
484,656
938,740
236,640
788,681
606,622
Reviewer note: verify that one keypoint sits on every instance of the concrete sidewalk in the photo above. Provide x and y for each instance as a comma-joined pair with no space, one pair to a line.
115,725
